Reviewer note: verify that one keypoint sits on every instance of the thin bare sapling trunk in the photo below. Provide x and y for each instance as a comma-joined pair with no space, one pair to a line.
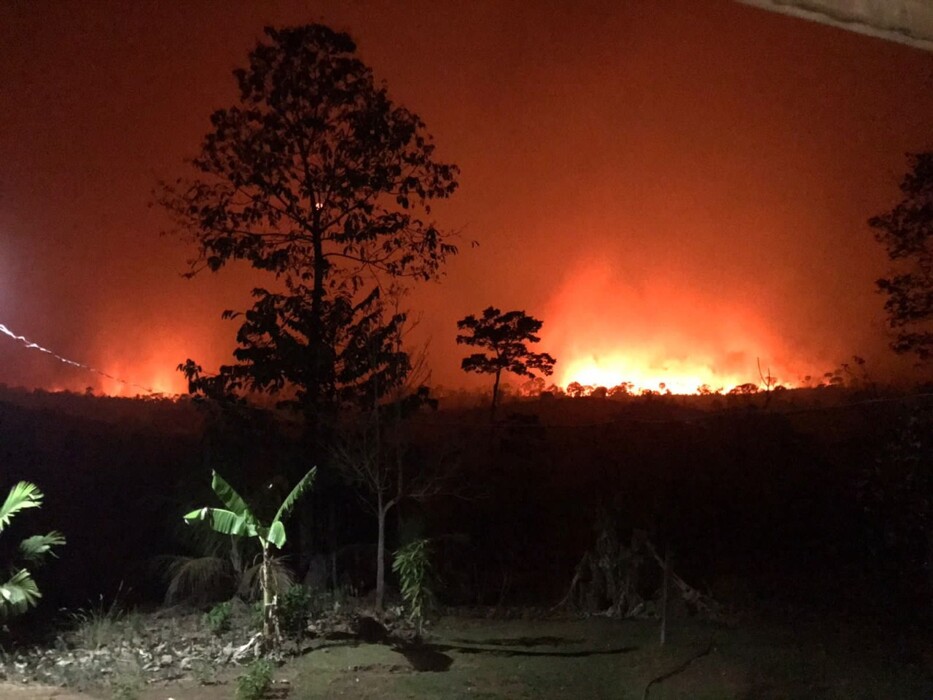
665,588
372,456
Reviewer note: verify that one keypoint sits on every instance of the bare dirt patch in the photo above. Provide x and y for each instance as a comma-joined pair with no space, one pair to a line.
16,691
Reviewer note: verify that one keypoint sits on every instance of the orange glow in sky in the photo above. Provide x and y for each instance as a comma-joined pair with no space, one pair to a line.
154,369
157,380
114,378
719,162
605,330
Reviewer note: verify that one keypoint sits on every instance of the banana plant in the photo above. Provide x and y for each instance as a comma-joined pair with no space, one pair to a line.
20,592
239,520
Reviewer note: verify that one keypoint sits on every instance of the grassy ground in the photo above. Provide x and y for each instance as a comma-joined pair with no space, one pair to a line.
601,658
592,659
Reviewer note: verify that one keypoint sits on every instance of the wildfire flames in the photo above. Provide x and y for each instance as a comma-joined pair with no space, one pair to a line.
658,336
679,377
154,368
151,373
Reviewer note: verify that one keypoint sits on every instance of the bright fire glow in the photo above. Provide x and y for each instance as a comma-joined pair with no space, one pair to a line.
605,331
151,373
676,377
154,368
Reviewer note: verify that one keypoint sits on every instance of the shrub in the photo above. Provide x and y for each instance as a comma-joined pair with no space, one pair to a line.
412,564
20,592
102,625
294,610
127,684
254,684
217,618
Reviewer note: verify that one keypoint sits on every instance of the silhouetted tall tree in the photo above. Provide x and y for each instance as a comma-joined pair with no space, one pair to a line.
906,232
504,336
317,177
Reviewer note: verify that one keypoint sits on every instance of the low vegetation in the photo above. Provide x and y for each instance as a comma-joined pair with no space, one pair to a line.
21,592
255,681
412,564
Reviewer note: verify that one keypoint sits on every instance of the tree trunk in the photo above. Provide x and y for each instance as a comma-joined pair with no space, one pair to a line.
316,335
665,588
265,581
380,554
320,384
333,545
495,397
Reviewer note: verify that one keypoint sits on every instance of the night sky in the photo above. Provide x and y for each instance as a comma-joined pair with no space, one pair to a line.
675,187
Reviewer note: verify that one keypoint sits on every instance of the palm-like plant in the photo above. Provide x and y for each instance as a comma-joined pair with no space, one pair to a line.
239,520
20,592
214,567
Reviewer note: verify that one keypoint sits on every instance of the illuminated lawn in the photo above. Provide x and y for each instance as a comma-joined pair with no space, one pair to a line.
600,658
831,658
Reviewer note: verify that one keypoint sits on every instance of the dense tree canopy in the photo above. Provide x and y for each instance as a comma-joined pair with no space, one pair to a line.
906,232
504,337
317,177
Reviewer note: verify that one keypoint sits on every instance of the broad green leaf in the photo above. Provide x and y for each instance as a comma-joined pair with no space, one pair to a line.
293,497
36,547
276,534
225,522
23,495
229,496
18,594
199,514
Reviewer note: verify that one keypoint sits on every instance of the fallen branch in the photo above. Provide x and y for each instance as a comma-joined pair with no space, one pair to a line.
679,669
573,583
253,649
688,592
